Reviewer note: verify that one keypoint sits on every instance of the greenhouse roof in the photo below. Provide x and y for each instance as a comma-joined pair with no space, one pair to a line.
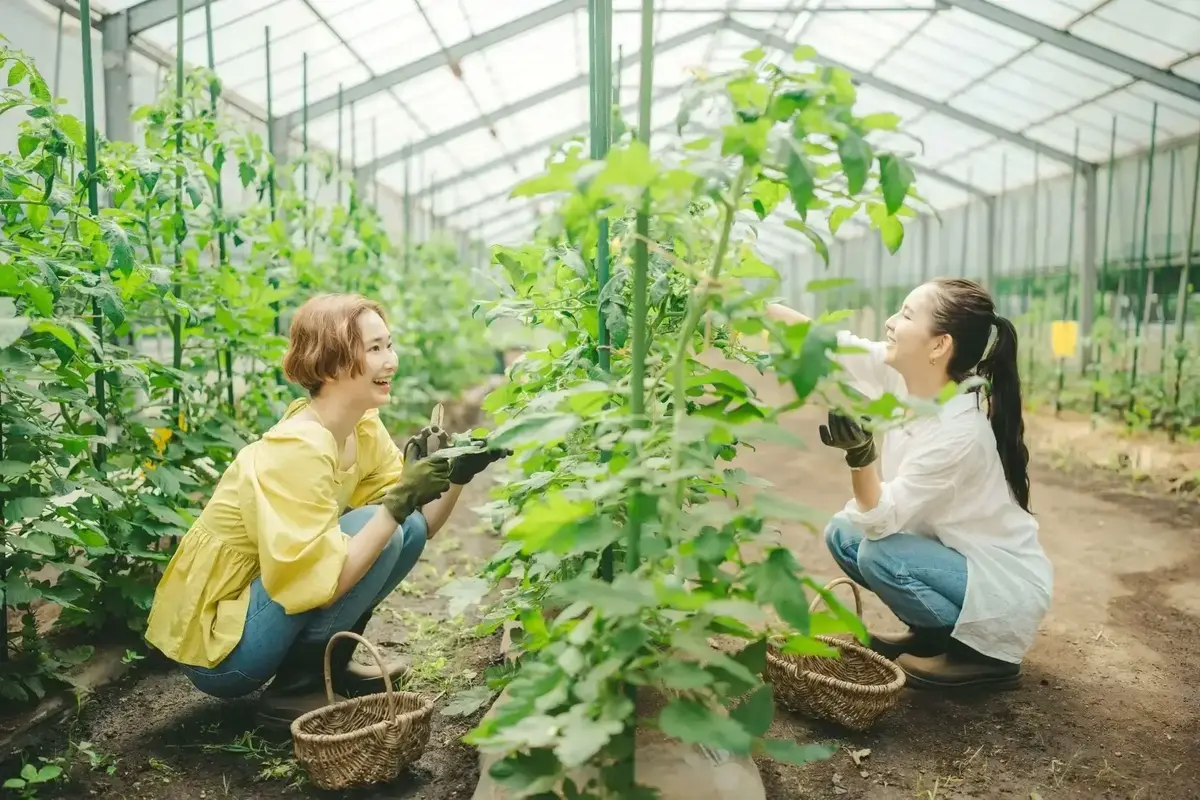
479,89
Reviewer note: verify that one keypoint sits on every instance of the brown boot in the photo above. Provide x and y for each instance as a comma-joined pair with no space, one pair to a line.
351,679
959,668
297,688
921,642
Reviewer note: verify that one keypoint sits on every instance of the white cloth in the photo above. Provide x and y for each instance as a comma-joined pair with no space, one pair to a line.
942,478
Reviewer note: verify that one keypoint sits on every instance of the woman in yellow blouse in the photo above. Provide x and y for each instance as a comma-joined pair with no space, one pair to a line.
275,565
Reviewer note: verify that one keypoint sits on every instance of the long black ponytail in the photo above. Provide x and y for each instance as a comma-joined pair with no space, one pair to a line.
966,313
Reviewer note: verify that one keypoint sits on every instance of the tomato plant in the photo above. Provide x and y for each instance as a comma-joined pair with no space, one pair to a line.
601,484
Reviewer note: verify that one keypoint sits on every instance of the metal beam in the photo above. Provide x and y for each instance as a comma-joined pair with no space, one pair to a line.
578,82
149,13
950,180
456,52
118,96
927,103
534,147
1064,40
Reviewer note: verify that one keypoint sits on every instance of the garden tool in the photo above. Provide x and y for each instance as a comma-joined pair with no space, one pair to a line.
435,436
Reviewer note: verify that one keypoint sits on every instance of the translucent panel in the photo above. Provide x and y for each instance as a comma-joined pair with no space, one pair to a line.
1190,69
859,40
1154,21
1126,42
1055,13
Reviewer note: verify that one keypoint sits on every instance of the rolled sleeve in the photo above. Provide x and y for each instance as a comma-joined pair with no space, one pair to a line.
926,478
866,370
291,511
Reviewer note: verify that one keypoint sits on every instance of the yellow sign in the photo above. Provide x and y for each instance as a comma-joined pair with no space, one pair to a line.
1064,337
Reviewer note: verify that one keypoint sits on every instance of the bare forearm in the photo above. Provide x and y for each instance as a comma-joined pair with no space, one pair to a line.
867,487
362,550
438,512
782,313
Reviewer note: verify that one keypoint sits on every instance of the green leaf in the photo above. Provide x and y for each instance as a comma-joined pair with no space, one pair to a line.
17,73
246,173
467,702
826,284
791,752
817,242
583,737
753,656
55,330
895,177
38,543
14,469
800,180
756,712
464,593
12,327
20,508
541,519
73,128
27,144
775,582
855,155
839,215
529,428
754,55
55,528
693,723
804,53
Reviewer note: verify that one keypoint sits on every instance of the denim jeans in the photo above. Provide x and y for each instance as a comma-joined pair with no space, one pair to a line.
921,580
270,631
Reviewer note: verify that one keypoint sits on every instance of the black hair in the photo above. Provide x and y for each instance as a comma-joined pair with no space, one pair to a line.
965,311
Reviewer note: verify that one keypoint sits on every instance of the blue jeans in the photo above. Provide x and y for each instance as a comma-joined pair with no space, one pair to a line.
270,631
921,580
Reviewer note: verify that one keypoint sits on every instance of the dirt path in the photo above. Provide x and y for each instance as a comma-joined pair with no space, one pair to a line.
1109,706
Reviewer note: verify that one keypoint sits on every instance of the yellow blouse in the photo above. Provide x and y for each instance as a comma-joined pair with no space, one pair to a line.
274,513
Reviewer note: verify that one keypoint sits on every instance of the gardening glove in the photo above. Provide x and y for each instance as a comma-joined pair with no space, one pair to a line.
466,466
420,482
844,433
425,442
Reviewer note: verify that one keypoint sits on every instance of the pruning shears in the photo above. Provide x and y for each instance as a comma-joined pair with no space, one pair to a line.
418,446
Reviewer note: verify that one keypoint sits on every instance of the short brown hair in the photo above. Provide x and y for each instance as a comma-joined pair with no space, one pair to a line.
324,339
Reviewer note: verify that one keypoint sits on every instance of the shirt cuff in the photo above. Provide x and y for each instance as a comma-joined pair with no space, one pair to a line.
879,521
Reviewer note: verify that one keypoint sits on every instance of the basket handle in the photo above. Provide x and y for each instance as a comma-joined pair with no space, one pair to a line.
387,682
858,609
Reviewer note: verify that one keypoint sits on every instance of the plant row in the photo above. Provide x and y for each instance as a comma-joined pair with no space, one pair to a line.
107,450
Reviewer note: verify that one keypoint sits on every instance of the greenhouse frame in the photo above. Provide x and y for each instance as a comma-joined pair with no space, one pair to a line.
1066,125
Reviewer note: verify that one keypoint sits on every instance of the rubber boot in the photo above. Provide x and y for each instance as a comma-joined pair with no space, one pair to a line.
960,667
351,679
922,642
297,688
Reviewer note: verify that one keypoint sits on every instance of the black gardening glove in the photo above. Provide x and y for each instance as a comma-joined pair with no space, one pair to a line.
466,466
420,482
844,433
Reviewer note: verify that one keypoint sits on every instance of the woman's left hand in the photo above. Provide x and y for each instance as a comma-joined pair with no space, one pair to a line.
466,466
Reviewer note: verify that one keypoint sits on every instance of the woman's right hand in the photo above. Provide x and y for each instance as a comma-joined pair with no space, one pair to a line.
420,482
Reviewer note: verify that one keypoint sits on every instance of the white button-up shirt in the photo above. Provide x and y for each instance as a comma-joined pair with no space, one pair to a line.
942,478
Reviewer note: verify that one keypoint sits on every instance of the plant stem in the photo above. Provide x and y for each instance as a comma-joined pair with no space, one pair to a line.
696,308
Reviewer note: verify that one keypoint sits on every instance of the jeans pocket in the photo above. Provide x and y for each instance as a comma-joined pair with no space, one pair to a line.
225,685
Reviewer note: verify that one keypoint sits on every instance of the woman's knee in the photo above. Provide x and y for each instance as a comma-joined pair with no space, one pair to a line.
841,537
878,559
226,684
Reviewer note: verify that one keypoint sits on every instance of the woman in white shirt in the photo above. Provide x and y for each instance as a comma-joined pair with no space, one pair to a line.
944,536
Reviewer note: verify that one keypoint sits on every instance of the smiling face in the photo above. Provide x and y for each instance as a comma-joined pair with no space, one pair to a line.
370,385
912,345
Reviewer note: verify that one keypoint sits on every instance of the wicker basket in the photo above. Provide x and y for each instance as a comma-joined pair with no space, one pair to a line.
854,690
364,740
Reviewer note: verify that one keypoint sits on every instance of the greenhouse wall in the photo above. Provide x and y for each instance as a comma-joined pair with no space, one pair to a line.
32,26
1032,237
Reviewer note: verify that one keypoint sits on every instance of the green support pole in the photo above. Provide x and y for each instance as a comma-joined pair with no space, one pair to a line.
218,191
304,119
89,121
1181,304
271,174
1062,362
374,158
1098,353
1137,330
1162,307
353,141
407,208
641,259
1030,270
58,51
177,317
339,145
966,240
600,137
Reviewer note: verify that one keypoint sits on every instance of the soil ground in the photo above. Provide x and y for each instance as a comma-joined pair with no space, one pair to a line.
1107,707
